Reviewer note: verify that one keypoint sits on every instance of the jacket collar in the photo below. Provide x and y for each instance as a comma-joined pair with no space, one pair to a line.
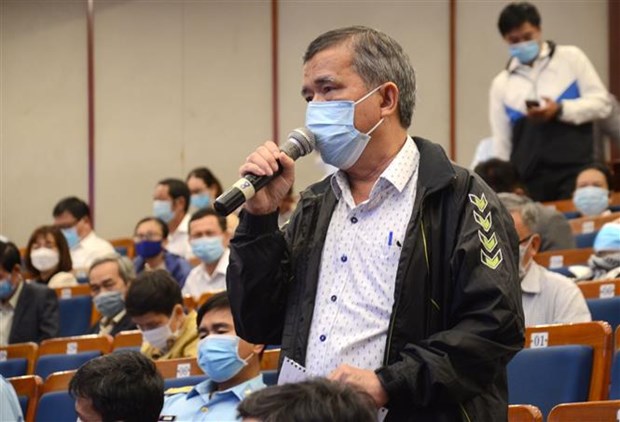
435,170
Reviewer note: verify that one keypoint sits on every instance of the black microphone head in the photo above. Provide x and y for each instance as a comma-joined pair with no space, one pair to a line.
300,142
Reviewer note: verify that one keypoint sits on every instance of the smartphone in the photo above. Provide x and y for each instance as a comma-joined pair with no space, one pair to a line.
532,103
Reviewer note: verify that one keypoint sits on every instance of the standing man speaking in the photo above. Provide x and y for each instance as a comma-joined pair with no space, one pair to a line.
398,274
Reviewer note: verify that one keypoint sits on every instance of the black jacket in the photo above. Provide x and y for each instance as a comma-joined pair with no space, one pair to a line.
124,324
455,323
36,315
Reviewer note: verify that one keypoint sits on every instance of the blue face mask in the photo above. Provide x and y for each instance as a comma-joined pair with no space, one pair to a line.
148,248
337,139
6,288
71,234
218,357
109,303
525,51
591,200
208,249
200,200
163,210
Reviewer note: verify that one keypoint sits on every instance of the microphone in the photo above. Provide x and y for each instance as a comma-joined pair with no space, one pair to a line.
300,142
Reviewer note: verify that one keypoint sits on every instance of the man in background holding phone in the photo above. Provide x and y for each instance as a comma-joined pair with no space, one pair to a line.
542,106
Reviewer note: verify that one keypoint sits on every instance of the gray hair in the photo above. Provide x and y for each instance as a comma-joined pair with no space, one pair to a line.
524,206
377,59
125,267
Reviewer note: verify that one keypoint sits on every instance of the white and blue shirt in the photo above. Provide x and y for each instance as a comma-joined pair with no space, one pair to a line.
355,292
567,77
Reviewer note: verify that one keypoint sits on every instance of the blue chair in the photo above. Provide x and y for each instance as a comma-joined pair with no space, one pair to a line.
614,389
75,313
605,310
48,364
569,215
270,377
56,406
14,367
585,240
121,250
27,390
545,377
183,382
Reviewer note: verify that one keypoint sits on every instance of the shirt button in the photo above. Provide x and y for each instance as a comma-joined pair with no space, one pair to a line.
333,298
322,337
343,258
204,409
353,220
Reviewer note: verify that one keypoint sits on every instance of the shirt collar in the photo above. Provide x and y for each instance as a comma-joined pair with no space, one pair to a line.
531,281
240,391
13,300
105,321
183,225
222,264
515,64
398,173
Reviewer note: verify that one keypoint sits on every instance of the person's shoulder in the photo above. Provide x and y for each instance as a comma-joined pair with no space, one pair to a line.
571,53
557,281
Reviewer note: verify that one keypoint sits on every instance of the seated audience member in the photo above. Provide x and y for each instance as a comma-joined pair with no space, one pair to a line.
109,277
151,240
604,264
122,386
554,230
155,305
548,297
170,204
48,258
28,311
233,366
314,400
10,410
209,240
591,196
204,187
72,217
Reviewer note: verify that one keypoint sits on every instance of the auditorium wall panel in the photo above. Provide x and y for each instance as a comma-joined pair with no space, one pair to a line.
43,119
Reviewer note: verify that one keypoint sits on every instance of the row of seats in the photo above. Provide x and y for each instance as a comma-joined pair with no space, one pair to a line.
568,412
565,363
567,206
50,400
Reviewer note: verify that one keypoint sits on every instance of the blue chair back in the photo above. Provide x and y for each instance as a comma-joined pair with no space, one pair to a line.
614,390
569,215
14,367
121,250
183,381
23,404
75,313
56,406
48,364
545,377
270,377
585,240
607,309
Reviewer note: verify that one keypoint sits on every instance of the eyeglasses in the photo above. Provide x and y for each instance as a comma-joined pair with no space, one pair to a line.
149,236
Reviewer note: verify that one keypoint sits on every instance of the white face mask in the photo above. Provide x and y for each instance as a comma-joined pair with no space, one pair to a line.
44,259
158,337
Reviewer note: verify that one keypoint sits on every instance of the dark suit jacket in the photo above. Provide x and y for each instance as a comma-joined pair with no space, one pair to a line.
124,324
36,315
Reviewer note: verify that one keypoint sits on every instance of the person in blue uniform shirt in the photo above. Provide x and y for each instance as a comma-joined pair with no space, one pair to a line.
233,366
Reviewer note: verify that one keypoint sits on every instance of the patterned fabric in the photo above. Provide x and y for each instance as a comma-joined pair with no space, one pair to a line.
360,257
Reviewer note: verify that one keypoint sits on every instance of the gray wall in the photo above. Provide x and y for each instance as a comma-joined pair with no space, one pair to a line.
187,83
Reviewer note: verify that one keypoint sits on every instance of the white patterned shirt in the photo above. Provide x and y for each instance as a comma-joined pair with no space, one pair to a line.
355,292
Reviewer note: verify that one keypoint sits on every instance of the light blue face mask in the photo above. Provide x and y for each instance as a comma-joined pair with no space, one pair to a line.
218,356
163,210
208,248
200,200
591,200
6,288
71,234
333,125
525,51
109,303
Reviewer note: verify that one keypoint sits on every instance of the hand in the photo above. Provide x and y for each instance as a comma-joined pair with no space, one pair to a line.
262,162
363,379
546,113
